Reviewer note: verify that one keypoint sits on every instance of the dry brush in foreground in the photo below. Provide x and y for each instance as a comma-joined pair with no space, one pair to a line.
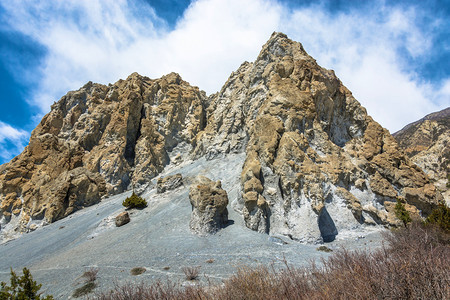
413,265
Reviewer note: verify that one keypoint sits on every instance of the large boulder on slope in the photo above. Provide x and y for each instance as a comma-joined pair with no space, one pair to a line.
209,206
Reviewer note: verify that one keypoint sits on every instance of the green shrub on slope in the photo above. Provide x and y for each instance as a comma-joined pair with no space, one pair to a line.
134,201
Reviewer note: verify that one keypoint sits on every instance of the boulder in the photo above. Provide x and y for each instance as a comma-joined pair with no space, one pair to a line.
122,219
209,206
168,183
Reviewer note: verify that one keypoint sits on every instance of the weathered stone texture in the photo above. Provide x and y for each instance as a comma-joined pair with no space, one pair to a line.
97,141
169,183
427,142
209,206
122,219
315,160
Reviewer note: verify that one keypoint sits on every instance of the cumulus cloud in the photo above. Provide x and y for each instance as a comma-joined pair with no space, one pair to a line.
366,49
12,141
103,41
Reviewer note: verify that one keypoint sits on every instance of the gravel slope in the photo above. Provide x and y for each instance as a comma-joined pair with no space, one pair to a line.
156,238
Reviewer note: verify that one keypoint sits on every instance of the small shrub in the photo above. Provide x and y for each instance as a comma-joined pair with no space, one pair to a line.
134,201
401,213
87,288
138,271
21,287
191,272
90,275
440,216
324,249
210,261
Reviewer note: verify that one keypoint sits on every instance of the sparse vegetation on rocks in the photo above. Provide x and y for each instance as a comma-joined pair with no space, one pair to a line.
401,213
440,216
134,201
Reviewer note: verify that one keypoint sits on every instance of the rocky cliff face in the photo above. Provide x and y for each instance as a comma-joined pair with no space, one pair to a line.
427,142
96,141
315,163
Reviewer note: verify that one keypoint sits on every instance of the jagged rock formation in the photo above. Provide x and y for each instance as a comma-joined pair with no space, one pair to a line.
427,142
209,206
168,183
96,141
316,163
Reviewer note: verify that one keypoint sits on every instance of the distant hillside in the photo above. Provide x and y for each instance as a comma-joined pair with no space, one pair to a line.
427,143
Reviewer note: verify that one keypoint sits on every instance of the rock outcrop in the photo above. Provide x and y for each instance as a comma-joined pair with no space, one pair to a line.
168,183
316,162
427,142
209,206
97,141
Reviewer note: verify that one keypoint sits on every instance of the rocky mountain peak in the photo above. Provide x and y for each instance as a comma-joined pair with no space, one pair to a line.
315,163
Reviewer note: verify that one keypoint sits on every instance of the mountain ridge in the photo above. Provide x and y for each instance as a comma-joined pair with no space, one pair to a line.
315,164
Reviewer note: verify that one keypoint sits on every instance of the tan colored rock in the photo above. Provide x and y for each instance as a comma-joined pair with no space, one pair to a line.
426,142
209,206
381,186
307,141
122,219
168,183
114,135
316,162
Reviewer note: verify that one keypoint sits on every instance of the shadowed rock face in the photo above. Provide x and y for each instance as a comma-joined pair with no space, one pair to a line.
110,136
427,142
315,163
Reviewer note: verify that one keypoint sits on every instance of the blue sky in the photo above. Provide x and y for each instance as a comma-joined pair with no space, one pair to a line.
393,55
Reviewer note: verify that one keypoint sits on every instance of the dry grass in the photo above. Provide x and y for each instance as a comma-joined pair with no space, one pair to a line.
191,273
413,265
90,275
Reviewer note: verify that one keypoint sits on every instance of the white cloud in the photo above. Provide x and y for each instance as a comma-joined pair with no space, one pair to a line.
12,140
103,41
363,48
